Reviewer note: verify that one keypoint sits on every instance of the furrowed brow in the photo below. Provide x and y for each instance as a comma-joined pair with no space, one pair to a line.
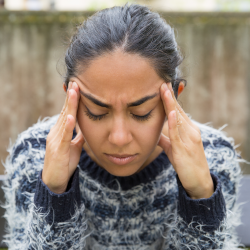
132,104
142,100
95,101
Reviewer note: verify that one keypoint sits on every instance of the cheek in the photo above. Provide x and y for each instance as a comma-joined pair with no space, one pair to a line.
147,132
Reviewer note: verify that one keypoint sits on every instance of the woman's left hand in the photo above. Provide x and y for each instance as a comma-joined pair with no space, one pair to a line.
184,148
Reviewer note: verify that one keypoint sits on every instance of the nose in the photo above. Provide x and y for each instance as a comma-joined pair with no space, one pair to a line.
120,134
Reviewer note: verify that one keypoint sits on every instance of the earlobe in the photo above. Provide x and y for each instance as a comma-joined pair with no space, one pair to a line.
64,87
180,88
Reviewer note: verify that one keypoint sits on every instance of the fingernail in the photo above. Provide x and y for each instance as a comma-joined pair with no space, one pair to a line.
70,84
74,85
164,87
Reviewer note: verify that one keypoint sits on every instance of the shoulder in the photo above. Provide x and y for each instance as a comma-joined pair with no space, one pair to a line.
222,157
215,138
25,161
29,148
220,150
33,138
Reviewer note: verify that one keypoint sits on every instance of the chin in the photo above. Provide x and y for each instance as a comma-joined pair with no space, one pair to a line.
122,171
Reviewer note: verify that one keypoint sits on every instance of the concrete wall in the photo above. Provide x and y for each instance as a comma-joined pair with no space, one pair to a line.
216,47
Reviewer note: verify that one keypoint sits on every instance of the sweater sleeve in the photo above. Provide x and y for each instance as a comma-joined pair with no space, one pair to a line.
209,223
36,217
60,207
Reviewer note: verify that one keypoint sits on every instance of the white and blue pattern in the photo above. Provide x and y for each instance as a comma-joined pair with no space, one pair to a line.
143,217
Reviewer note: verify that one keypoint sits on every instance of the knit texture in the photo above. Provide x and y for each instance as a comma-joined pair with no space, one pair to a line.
147,210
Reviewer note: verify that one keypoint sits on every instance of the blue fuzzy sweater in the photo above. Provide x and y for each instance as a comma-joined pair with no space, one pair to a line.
147,210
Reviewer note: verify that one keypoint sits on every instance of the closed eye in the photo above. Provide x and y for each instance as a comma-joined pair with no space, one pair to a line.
99,117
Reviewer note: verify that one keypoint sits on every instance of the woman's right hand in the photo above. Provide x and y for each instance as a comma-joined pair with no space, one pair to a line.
62,153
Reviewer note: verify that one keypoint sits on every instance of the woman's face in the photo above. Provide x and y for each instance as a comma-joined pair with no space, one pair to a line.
119,80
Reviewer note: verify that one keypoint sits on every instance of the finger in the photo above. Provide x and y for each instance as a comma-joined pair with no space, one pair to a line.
71,108
185,130
77,127
166,99
168,102
73,101
179,108
59,126
77,90
67,134
71,95
62,115
78,141
164,142
63,112
174,136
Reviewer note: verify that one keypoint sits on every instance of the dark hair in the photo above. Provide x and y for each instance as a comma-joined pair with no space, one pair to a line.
133,28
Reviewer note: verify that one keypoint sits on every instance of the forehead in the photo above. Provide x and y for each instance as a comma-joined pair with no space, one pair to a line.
120,75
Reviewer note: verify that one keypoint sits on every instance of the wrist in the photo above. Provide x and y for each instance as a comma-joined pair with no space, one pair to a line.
202,192
53,189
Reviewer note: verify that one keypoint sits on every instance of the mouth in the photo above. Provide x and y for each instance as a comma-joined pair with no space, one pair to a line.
121,159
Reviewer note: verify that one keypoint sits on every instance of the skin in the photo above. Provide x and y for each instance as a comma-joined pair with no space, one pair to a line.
118,132
118,79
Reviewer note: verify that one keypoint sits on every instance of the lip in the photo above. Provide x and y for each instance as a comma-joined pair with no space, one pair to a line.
121,159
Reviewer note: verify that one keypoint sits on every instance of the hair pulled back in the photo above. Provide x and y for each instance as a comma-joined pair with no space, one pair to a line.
133,28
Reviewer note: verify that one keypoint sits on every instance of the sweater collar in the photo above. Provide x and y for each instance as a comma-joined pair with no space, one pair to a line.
147,174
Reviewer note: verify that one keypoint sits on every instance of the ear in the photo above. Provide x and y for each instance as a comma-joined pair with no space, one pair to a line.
64,87
180,88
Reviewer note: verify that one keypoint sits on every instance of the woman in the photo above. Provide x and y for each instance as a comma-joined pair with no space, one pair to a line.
122,166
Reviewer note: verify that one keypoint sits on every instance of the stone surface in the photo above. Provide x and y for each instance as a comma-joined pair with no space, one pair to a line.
216,48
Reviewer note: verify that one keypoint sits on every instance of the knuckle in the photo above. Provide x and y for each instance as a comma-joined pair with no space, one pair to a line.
62,112
64,121
197,138
65,135
175,137
66,131
179,108
63,140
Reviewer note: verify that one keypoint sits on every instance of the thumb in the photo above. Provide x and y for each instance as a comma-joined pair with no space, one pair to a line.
164,142
79,140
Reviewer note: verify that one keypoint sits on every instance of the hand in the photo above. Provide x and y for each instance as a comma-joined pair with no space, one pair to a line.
184,148
62,153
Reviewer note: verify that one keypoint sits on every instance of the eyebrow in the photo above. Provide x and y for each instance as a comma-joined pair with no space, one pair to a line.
132,104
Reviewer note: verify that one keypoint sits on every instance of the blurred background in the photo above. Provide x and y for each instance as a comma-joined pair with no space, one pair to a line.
214,36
